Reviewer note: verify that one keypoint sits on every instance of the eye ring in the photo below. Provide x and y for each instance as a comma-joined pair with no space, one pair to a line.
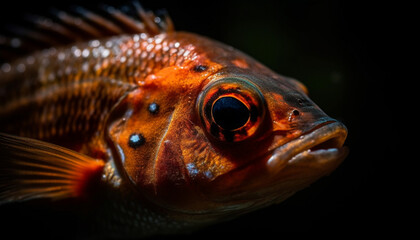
231,109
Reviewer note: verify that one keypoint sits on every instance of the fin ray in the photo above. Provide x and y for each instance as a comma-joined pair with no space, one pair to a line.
100,21
126,20
34,169
80,24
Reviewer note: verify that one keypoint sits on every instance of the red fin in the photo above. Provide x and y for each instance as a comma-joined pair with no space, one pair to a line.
34,169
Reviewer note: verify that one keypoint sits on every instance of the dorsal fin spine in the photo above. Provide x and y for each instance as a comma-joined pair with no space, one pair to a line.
81,24
49,25
99,20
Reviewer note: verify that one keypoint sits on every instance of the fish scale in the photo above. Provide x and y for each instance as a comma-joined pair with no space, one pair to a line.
83,84
154,131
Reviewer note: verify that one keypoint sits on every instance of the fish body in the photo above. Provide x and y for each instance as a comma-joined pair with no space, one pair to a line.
176,129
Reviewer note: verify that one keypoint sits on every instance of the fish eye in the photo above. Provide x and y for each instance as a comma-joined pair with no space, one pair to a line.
231,109
230,113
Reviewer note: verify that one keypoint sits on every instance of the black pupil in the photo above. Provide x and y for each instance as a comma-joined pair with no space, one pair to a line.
230,113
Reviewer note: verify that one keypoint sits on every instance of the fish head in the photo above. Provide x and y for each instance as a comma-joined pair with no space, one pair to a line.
228,137
286,142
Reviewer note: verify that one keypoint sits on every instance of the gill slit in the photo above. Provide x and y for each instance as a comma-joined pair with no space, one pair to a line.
158,150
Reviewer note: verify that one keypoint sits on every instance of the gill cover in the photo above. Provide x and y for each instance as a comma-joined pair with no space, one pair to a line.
169,155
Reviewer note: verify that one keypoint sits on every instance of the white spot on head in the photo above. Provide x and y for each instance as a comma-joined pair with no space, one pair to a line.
176,44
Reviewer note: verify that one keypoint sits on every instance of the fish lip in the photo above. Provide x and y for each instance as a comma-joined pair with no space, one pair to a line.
284,170
323,144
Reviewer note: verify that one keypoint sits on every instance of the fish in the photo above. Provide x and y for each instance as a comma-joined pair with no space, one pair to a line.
164,131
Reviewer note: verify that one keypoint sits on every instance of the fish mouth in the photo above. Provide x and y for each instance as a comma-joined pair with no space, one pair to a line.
320,147
282,172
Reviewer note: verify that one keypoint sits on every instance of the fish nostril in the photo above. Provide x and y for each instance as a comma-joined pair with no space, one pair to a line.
293,114
300,102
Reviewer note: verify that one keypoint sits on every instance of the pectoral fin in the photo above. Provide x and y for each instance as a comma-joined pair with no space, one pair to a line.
31,169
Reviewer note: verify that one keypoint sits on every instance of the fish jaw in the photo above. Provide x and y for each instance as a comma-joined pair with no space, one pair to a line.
320,146
301,162
283,171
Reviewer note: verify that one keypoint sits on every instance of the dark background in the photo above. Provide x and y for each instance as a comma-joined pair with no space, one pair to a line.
343,51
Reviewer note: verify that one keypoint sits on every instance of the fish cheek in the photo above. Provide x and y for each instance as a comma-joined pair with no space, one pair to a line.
186,164
134,134
171,187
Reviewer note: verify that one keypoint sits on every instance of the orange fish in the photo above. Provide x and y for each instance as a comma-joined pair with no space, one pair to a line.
174,128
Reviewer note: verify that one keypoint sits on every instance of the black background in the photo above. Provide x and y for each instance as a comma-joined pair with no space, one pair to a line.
344,52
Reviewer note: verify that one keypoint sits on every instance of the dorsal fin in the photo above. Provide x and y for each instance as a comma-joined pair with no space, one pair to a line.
79,24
